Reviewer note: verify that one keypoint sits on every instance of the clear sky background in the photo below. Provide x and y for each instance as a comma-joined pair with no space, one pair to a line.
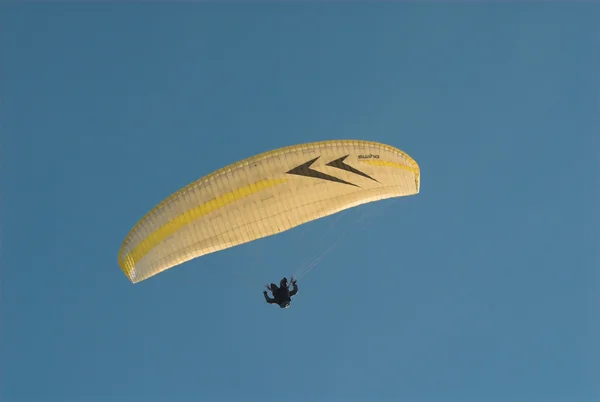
484,287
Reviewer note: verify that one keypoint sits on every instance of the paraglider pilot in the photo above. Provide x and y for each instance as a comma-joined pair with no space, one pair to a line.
281,295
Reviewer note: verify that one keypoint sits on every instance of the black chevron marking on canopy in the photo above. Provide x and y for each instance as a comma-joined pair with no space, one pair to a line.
305,170
339,163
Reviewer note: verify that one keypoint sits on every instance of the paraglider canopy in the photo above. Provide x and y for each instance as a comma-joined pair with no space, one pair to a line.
262,196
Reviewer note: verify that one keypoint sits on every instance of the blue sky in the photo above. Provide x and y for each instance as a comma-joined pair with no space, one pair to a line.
484,287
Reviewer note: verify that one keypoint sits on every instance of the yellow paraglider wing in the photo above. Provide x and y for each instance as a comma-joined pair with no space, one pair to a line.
262,196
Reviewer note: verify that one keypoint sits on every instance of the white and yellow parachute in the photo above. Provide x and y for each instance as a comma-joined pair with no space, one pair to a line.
262,196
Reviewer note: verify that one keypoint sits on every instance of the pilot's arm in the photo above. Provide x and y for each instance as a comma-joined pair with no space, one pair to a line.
267,298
